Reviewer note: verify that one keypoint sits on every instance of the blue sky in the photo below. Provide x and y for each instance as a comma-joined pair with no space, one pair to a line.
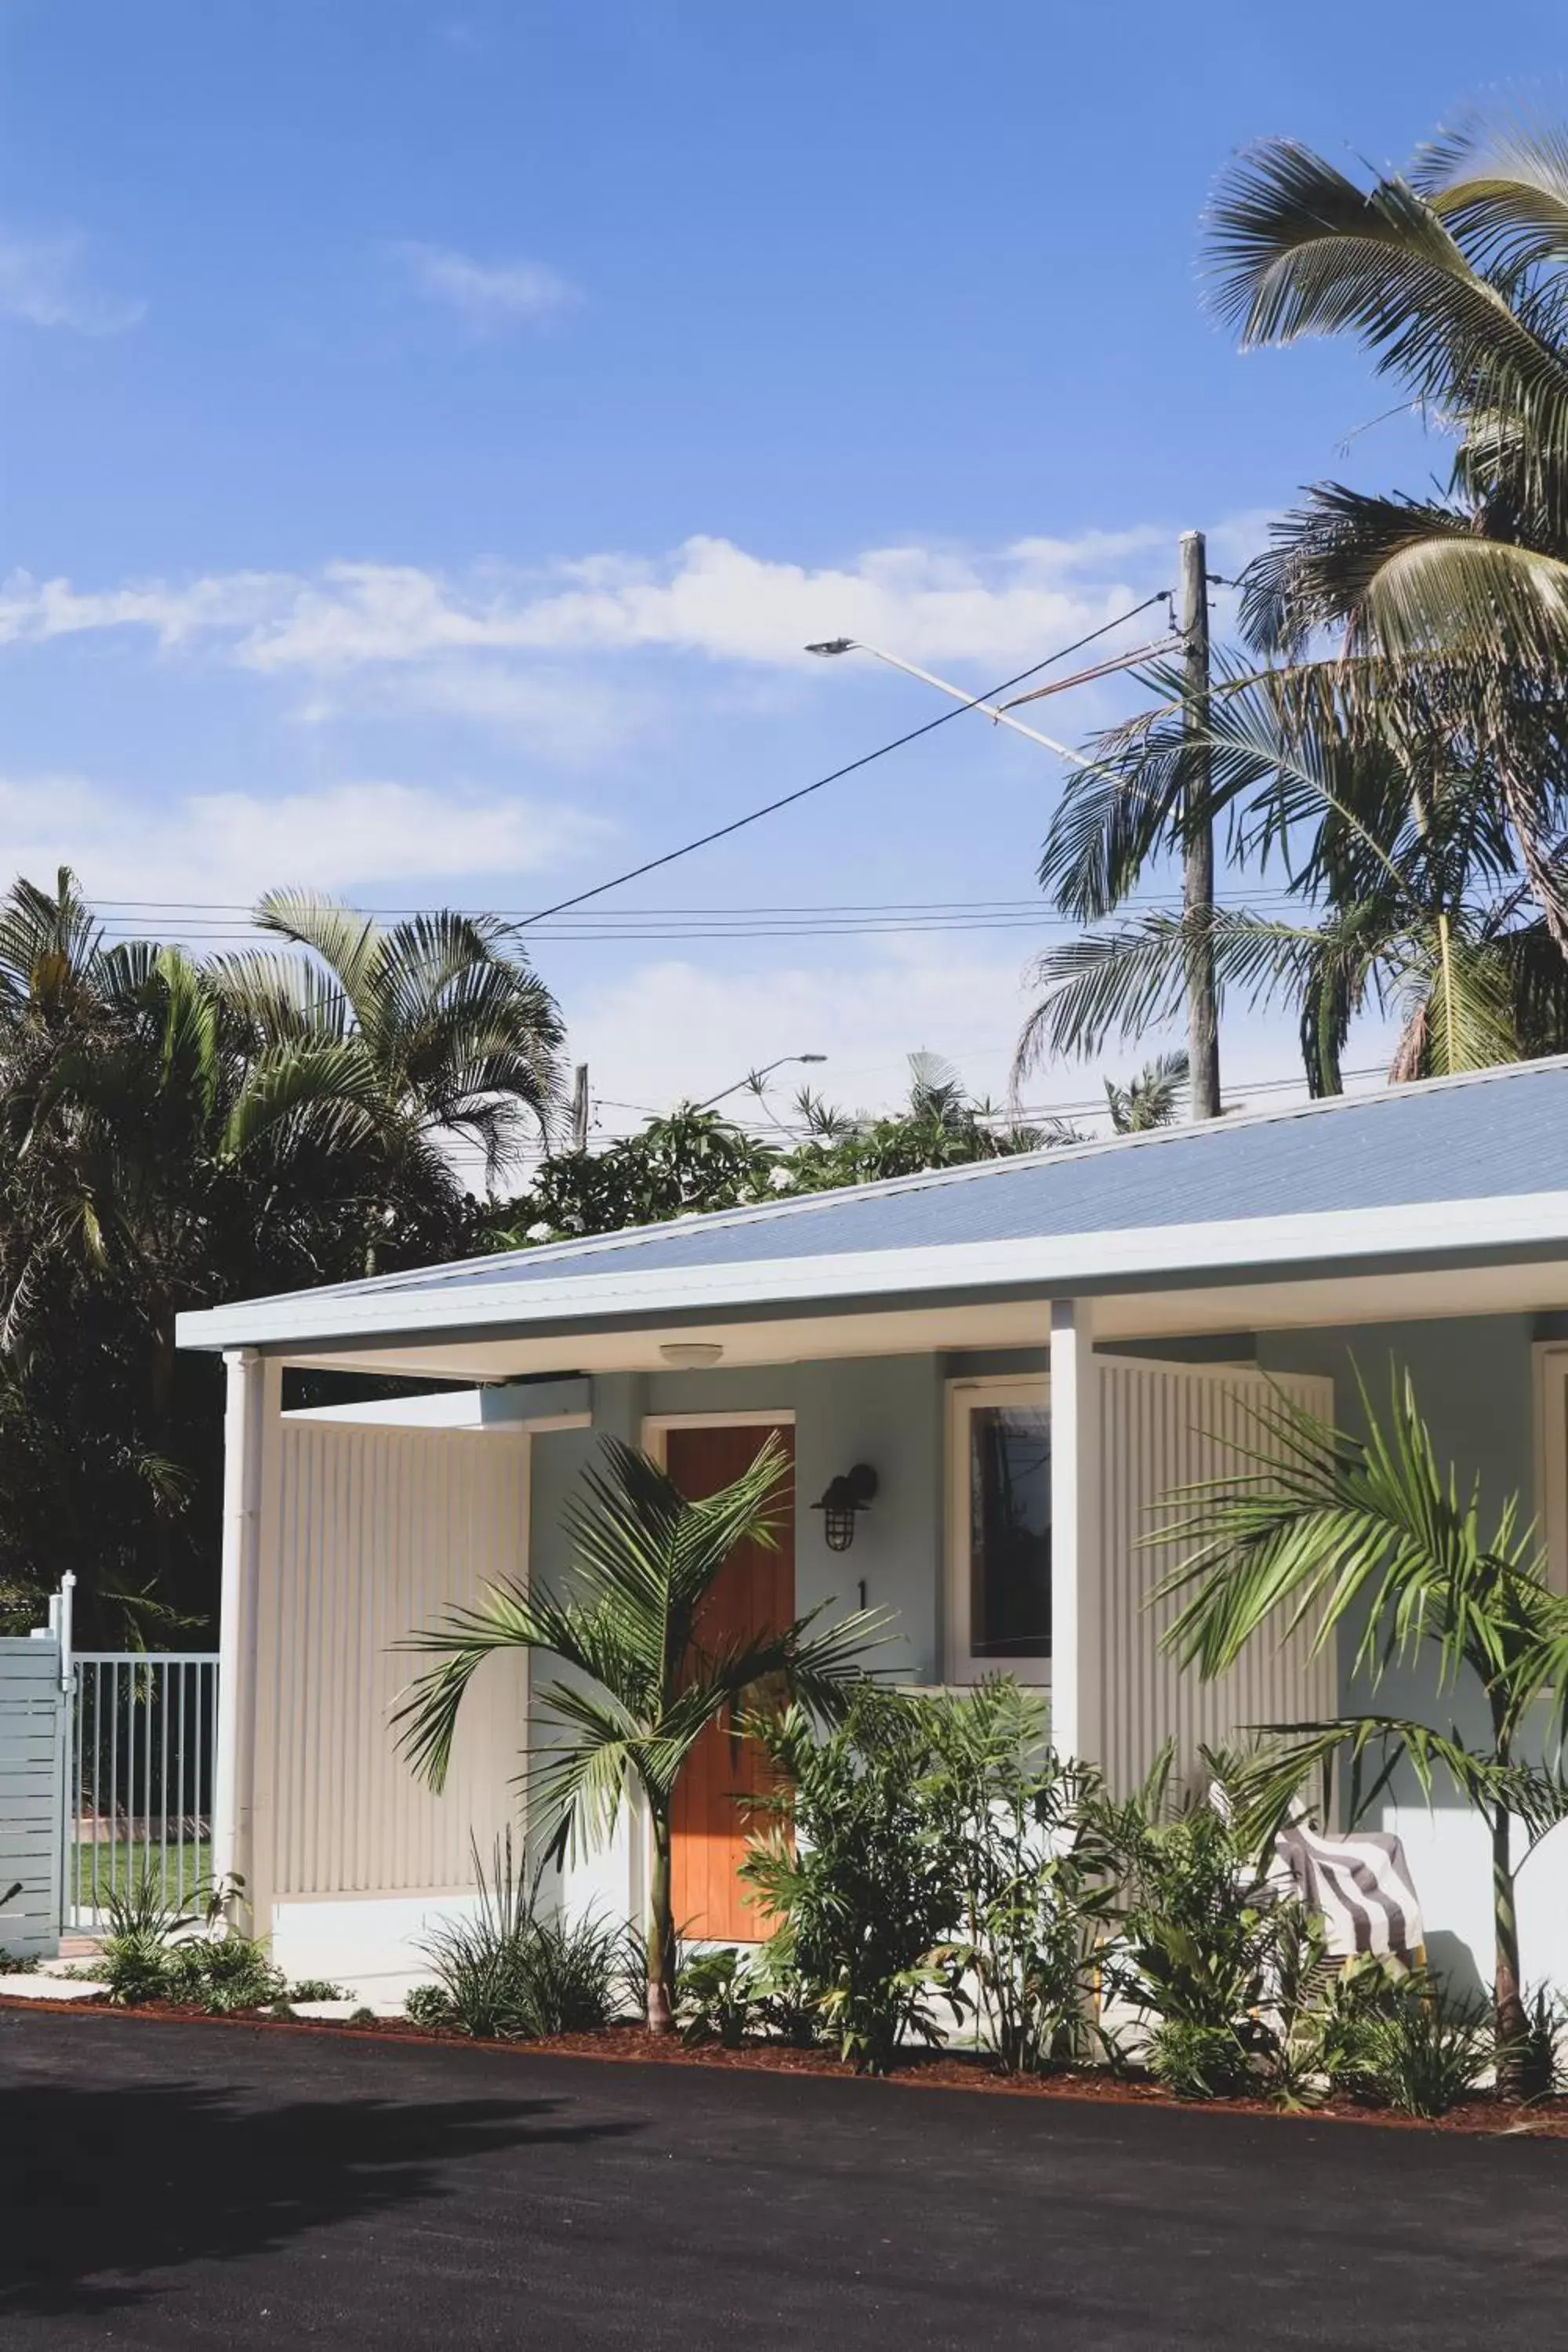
431,432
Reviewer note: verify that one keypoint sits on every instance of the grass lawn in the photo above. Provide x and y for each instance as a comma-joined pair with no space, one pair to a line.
95,1871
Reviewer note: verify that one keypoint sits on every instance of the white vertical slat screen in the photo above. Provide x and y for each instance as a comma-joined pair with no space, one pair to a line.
379,1529
1165,1427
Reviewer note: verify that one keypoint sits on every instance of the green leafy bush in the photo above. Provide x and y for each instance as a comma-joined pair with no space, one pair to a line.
134,1968
860,1869
223,1975
1194,1941
1033,1871
317,1989
142,1925
578,1974
1194,2061
155,1951
715,1999
1228,1978
428,2006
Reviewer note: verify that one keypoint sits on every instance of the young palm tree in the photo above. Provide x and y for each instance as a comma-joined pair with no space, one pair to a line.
1338,1530
643,1681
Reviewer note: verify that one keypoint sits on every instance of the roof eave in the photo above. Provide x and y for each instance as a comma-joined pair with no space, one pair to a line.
1073,1265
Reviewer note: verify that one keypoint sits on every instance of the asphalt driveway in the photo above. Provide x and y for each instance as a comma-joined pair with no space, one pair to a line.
180,2185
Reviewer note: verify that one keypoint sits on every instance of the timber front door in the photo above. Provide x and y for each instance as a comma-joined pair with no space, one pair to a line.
755,1588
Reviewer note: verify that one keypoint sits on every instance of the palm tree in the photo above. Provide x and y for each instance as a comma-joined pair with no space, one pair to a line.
1151,1098
393,1042
1390,835
1332,1530
643,1681
1451,610
173,1132
1455,280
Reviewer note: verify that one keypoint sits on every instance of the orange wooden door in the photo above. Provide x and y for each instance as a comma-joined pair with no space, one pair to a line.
755,1588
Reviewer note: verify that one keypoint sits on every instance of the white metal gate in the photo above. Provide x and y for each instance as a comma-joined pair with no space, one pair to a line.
141,1749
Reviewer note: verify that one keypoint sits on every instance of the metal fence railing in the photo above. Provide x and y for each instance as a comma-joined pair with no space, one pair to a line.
141,1749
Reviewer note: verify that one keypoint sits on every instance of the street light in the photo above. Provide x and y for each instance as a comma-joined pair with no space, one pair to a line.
832,645
755,1077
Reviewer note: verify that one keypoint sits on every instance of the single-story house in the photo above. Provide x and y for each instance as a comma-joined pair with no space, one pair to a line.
1028,1353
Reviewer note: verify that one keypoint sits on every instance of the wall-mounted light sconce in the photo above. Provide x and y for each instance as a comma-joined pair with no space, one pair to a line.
846,1496
691,1355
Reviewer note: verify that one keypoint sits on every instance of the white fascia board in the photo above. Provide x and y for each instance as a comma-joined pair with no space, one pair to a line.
1067,1265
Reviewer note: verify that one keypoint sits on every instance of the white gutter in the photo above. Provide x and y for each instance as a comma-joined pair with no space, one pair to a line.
1068,1266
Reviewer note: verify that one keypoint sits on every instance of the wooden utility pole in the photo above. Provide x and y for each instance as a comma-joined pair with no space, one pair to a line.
580,1107
1197,855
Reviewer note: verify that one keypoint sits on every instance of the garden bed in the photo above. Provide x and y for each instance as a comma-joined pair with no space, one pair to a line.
917,2069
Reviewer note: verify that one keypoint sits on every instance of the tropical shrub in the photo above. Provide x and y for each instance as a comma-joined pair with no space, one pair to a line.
222,1974
580,1973
142,1924
1195,1940
861,1871
1538,2063
427,2005
513,1973
727,1995
715,1997
1426,2048
133,1967
1372,1531
1033,1874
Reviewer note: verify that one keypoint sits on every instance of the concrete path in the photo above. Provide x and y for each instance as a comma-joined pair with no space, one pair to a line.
167,2185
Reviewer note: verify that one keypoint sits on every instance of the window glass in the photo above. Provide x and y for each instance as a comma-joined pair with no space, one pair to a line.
1009,1531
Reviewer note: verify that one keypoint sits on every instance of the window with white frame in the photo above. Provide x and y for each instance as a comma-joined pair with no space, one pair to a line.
999,1543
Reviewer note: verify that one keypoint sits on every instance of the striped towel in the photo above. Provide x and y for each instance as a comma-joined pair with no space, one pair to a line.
1360,1886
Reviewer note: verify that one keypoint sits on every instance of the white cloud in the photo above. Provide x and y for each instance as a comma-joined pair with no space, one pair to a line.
41,281
231,603
707,597
571,718
675,1029
486,294
229,846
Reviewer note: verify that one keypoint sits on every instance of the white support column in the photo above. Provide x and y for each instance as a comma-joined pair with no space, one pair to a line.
250,1421
1075,1598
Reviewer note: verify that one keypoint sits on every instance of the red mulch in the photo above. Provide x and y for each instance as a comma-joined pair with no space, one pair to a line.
919,2069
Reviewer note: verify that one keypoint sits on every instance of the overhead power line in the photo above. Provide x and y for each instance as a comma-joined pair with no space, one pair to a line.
836,775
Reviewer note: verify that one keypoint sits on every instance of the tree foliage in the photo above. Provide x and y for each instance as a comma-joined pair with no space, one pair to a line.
1399,756
694,1159
174,1133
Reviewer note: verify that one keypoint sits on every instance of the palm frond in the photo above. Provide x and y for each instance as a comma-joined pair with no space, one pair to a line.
348,943
1296,249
